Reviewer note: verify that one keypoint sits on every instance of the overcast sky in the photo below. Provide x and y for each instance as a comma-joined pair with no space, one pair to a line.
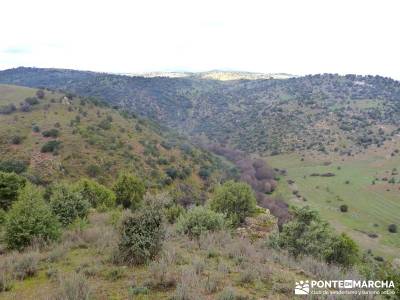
292,36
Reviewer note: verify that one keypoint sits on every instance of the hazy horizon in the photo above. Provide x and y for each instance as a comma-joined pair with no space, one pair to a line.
307,37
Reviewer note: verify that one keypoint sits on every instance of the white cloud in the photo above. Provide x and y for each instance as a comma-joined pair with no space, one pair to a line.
308,36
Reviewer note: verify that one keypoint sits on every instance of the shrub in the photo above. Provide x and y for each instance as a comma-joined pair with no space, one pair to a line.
35,128
32,100
68,204
199,220
2,216
137,290
392,228
115,274
97,195
30,218
344,208
26,266
161,274
6,282
74,287
7,109
129,191
10,185
93,170
105,124
173,212
54,133
16,166
204,173
40,94
342,250
172,173
50,146
25,107
16,140
229,294
305,234
141,235
235,199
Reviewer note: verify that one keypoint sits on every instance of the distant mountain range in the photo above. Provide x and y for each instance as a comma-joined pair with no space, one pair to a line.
215,74
320,112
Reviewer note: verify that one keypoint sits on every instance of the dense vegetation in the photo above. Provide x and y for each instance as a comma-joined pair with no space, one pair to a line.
322,112
97,202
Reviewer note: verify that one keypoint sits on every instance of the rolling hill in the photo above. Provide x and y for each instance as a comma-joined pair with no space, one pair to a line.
52,136
351,122
326,113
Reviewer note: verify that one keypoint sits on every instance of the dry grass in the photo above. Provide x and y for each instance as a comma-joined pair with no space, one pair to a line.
73,287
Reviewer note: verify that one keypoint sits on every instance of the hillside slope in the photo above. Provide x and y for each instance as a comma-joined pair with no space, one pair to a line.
54,136
322,112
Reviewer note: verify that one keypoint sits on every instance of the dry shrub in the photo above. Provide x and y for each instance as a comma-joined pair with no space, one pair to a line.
73,287
230,294
217,239
22,265
171,255
199,265
212,283
73,237
188,286
241,250
223,268
99,219
58,252
161,275
6,281
248,274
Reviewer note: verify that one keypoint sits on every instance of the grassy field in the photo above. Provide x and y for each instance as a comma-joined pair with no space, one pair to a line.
359,182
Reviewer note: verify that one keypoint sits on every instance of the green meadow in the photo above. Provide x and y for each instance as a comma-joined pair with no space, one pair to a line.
373,203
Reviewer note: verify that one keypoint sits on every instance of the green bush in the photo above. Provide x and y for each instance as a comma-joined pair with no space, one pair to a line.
32,100
7,109
10,185
16,166
173,212
40,94
234,199
141,235
68,204
342,250
51,133
51,146
198,220
2,216
16,140
129,191
344,208
97,195
93,170
392,228
30,218
307,234
204,173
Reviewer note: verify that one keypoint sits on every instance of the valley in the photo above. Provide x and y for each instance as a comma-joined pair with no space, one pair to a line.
317,155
